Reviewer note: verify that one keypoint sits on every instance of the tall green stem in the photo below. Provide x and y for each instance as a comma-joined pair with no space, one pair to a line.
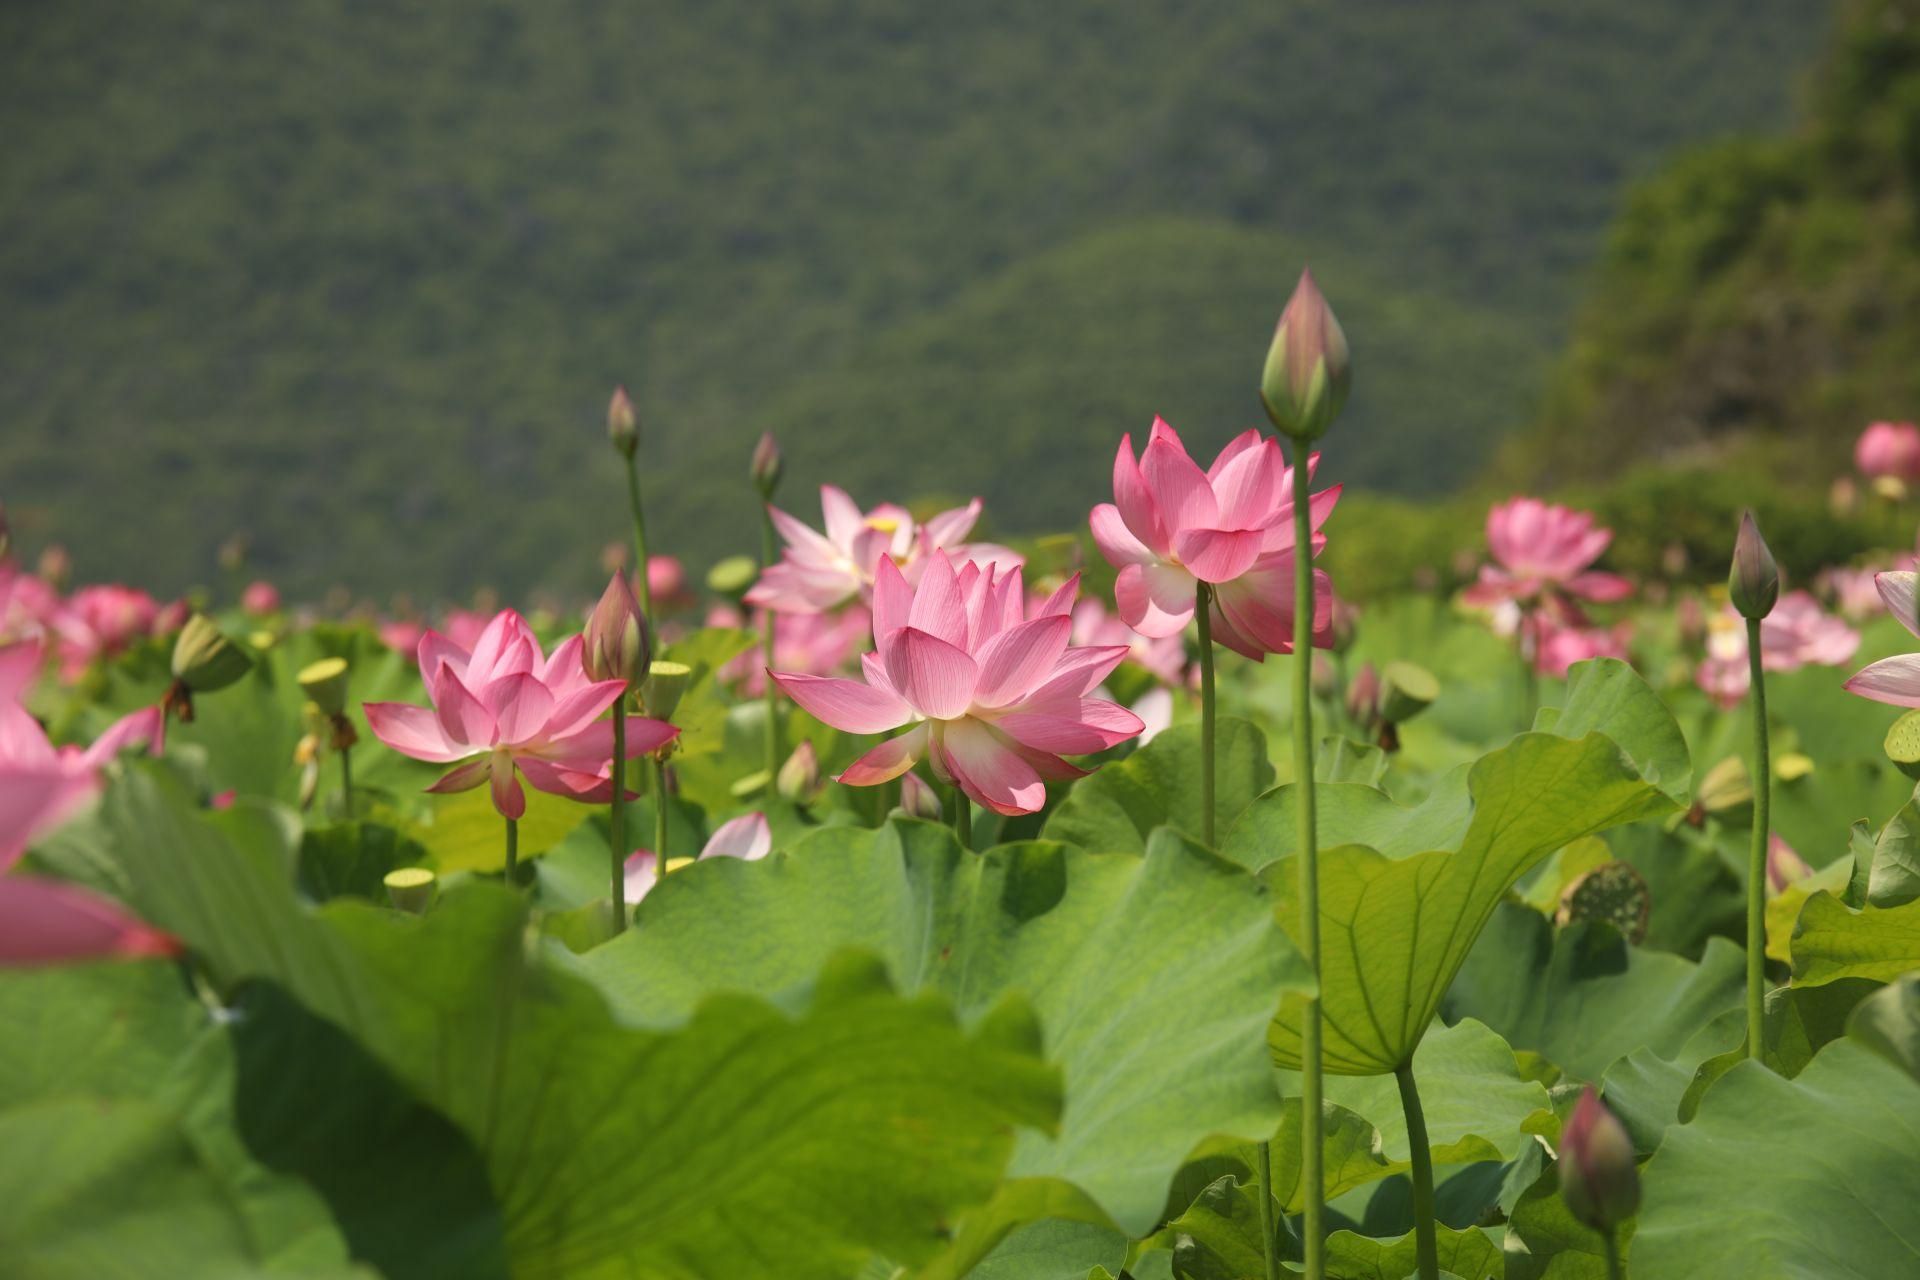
1526,642
1426,1246
1757,864
513,849
617,817
766,647
1203,611
962,818
1312,1179
346,782
639,539
1612,1239
1271,1246
659,780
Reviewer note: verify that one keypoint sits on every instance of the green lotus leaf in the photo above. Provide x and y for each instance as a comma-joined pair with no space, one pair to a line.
1831,941
1116,809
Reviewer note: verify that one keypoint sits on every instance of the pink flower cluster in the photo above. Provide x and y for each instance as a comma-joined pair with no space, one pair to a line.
814,644
94,624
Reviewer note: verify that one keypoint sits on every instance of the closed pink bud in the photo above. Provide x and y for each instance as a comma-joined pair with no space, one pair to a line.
261,599
617,646
1363,695
799,777
767,466
623,426
1754,582
1784,866
1598,1178
917,799
1308,368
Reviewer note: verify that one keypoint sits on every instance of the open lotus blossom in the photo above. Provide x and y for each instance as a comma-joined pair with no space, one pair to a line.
1895,680
818,572
815,644
44,783
27,604
1542,548
1559,647
746,837
1172,526
1798,633
101,622
1889,451
504,711
994,698
261,599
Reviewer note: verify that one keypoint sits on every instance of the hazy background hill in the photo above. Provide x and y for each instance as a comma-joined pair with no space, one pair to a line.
357,278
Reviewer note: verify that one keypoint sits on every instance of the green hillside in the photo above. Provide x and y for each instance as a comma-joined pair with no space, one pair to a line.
356,278
1760,298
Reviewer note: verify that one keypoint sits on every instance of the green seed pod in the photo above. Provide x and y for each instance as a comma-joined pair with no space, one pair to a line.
411,889
732,576
325,682
204,659
666,681
1405,691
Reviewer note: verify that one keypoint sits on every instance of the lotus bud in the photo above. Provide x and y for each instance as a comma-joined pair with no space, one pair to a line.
410,889
261,599
1308,368
55,567
617,646
1405,691
1326,681
767,466
1363,695
1754,583
1725,786
204,659
1598,1179
665,682
799,777
623,427
1784,866
325,682
1345,615
733,576
917,799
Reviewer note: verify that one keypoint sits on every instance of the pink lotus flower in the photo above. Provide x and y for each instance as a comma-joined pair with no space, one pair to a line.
1889,450
1172,526
995,698
1543,549
98,623
505,711
817,573
402,635
1895,680
1853,592
1560,647
261,599
746,837
49,922
1164,657
1798,633
814,644
27,605
667,582
41,784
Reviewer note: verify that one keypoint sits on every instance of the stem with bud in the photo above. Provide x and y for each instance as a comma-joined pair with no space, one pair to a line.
766,646
1757,862
617,816
639,539
1312,1123
1202,611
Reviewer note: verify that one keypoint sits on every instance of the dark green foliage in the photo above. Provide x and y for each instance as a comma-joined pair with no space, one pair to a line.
358,278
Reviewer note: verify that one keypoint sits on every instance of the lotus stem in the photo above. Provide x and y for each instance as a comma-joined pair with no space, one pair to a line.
639,540
1426,1246
1612,1241
1312,1124
513,849
617,816
1203,611
1525,642
766,647
346,782
1268,1245
1757,863
659,780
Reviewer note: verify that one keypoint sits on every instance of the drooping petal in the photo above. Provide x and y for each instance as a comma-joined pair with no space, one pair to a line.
1014,662
508,797
1080,671
1095,725
140,728
462,778
1895,681
746,837
590,749
1897,591
585,785
34,798
935,677
51,922
889,760
1218,555
989,770
415,731
1155,600
845,704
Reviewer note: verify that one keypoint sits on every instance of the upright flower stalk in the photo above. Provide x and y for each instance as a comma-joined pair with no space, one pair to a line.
1426,1244
618,648
623,429
1754,588
765,473
1303,387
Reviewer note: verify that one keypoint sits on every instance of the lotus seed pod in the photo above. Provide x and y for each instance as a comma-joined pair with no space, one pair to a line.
1903,744
1309,368
1598,1178
411,889
733,576
325,682
666,682
1754,582
1405,691
204,659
